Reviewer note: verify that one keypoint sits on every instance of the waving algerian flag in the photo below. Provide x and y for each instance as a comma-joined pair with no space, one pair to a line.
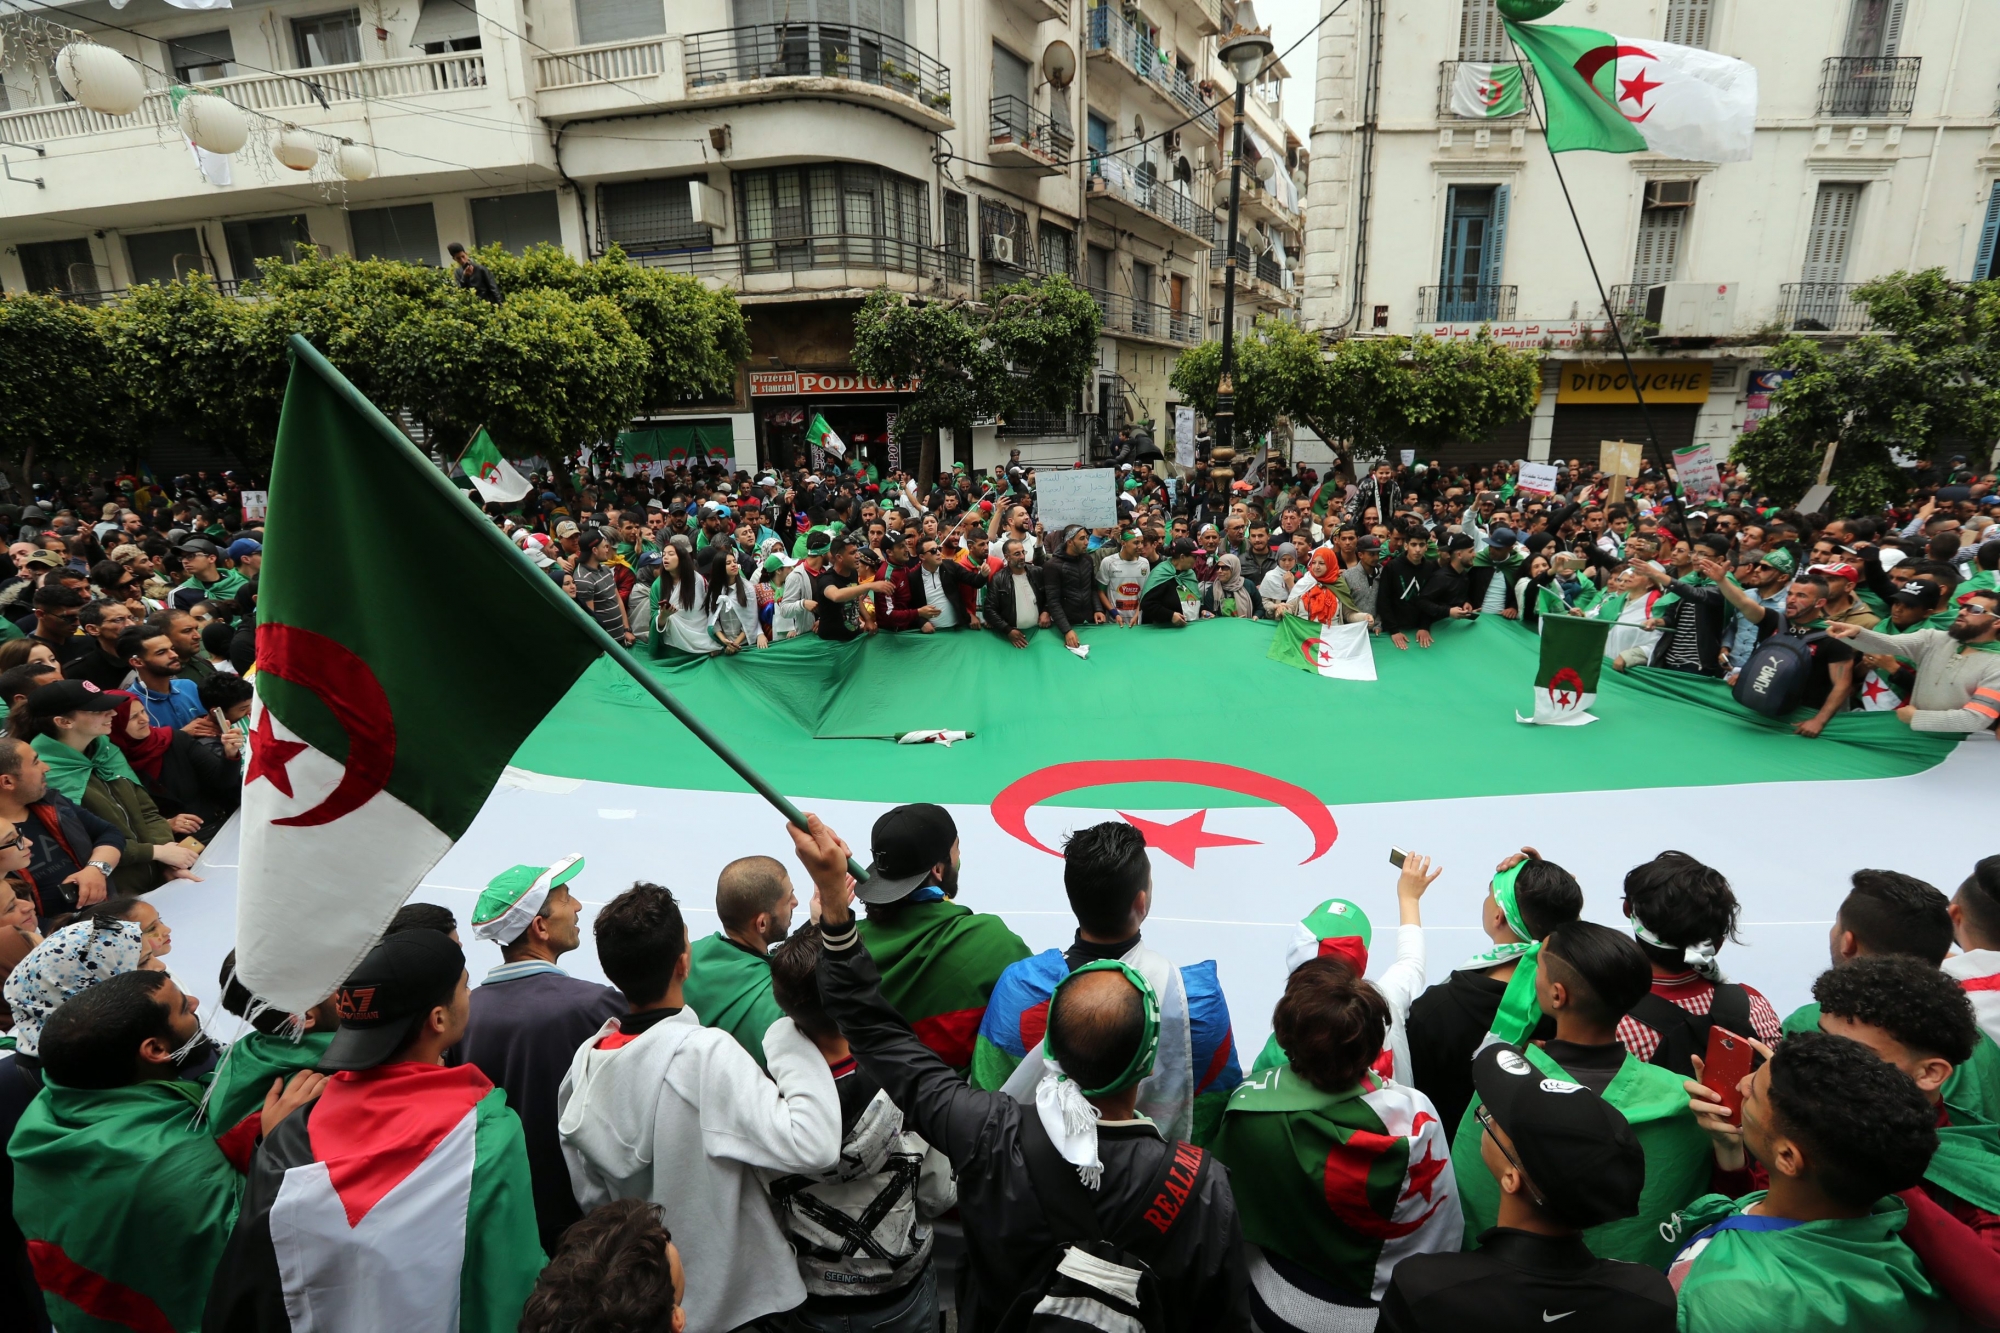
1566,679
819,435
490,473
1634,95
1340,651
1483,92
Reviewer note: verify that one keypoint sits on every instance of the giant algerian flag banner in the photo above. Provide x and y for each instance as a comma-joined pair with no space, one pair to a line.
1635,95
1485,92
496,479
385,709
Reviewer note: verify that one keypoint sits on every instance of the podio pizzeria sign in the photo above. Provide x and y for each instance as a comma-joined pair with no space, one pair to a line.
817,384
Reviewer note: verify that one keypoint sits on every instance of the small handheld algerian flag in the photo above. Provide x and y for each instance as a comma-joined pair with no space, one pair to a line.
1633,95
1878,695
1566,681
490,473
1483,92
819,435
1340,651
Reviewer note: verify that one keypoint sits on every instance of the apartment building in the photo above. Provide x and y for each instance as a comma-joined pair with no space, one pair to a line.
1877,148
802,152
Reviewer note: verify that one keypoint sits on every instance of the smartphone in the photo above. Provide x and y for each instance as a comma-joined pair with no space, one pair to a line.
1397,856
1726,1064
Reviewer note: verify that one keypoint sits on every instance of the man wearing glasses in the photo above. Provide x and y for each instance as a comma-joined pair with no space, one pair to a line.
1958,669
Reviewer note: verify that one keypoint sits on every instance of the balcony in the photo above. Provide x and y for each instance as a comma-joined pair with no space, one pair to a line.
1113,39
818,59
1143,319
1040,423
1465,303
1867,86
451,72
1149,203
1261,269
1822,307
819,265
1024,137
1258,202
1047,11
1448,79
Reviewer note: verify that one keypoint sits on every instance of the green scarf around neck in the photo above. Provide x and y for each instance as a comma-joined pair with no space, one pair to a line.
70,770
1519,1010
1190,588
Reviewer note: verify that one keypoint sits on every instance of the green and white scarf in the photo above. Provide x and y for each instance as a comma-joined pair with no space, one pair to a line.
1519,1011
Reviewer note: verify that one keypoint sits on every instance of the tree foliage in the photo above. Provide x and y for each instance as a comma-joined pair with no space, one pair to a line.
58,402
1934,380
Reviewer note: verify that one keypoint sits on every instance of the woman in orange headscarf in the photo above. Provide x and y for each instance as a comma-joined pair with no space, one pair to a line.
1320,596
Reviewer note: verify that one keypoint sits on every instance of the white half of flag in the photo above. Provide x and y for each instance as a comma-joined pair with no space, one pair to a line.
1686,102
1878,695
1559,705
1342,652
498,481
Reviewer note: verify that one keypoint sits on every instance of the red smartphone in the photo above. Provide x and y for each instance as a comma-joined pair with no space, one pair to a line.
1726,1065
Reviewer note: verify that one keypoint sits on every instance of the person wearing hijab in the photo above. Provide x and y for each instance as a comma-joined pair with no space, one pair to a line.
70,959
1228,595
1322,596
732,605
1171,595
1276,586
66,724
188,781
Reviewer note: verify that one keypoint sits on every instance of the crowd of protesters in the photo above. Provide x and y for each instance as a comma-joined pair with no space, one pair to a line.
869,1106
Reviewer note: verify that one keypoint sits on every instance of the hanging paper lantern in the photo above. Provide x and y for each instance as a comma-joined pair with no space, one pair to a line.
100,78
1526,11
216,124
295,148
355,162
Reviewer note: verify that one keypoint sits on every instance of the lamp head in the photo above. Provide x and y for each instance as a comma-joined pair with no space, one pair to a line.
1246,46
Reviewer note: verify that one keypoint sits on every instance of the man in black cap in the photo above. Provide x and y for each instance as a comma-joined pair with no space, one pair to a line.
939,960
207,581
1566,1160
401,1198
1363,577
1448,593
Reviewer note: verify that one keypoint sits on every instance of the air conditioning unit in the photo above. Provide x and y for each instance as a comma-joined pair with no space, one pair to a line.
1000,249
1173,142
1285,280
1692,309
1670,194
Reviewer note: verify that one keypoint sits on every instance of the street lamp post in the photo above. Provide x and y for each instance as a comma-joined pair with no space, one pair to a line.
1244,49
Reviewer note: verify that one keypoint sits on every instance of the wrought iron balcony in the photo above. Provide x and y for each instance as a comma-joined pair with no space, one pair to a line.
744,264
1822,307
1628,300
1868,85
1114,178
1144,319
1017,126
1039,423
1127,44
816,51
1262,267
1465,303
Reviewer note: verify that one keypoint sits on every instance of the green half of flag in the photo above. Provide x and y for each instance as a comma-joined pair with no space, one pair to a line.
1288,645
1487,91
1579,88
819,435
1572,653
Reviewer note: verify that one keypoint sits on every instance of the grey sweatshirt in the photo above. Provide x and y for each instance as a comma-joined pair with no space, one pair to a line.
1958,689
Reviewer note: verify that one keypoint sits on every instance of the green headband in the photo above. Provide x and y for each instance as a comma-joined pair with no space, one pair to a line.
1519,1010
1141,1063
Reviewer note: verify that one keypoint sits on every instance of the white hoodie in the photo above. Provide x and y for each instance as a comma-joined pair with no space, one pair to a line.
691,1101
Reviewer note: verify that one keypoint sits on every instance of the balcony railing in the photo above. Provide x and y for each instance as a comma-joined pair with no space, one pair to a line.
816,51
1015,121
1149,194
1128,45
1868,85
748,259
1628,300
1822,307
1039,423
1448,79
609,63
1465,303
450,72
1123,314
1262,267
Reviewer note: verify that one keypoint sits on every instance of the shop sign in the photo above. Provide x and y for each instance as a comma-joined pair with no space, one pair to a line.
1523,336
1608,382
817,383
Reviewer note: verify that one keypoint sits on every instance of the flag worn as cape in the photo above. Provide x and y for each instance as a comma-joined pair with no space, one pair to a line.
1340,652
249,1065
1484,92
1678,1161
1348,1184
729,987
375,738
1634,95
939,963
819,435
1572,658
126,1202
398,1200
490,473
1735,1274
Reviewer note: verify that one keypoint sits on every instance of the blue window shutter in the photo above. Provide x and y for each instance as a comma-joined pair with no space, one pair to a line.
1445,266
1496,236
1989,237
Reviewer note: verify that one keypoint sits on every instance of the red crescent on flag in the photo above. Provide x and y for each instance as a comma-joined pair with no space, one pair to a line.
1311,650
1595,59
1011,806
1565,681
338,678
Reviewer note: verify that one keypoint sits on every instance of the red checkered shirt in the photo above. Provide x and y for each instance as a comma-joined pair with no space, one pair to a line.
1695,993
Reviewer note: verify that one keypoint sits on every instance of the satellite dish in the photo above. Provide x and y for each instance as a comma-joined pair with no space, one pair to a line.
1059,64
1266,169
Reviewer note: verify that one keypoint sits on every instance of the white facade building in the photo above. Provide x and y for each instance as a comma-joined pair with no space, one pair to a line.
1877,148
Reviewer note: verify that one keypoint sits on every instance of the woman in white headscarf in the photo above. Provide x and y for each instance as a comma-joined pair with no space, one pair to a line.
69,961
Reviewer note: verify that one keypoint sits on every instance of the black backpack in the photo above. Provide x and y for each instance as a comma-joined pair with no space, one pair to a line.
1773,682
1682,1034
1090,1281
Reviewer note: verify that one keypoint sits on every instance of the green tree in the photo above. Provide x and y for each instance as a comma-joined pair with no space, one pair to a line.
1279,372
59,402
1934,378
1466,391
190,359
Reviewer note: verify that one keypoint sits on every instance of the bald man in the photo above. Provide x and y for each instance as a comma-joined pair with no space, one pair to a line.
729,972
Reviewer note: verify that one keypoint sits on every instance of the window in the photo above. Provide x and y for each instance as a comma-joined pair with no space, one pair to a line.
263,238
58,266
833,213
165,256
650,216
1097,274
957,224
618,20
202,58
1687,22
516,221
329,39
1987,265
883,16
1874,28
1058,249
1010,75
1832,229
1098,131
446,25
997,219
1481,35
1177,293
1662,224
403,231
1475,228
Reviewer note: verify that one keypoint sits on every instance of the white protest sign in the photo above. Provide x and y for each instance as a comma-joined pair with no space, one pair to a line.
255,505
1537,477
1184,436
1694,466
1076,495
1409,457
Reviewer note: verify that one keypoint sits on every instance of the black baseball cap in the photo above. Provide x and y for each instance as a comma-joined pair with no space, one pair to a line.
1180,546
65,697
1923,596
1577,1148
1458,541
902,847
199,546
1367,543
400,981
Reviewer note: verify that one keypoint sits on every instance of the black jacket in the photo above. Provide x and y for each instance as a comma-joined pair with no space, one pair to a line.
98,667
1517,1281
1446,1025
1482,578
479,280
63,834
999,608
195,780
1071,585
1204,1278
1710,611
1400,605
1159,604
1447,588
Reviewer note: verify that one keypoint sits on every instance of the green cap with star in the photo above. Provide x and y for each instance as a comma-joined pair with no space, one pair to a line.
514,897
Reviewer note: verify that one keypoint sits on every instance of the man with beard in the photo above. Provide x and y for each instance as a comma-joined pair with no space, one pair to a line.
729,973
1958,669
528,1017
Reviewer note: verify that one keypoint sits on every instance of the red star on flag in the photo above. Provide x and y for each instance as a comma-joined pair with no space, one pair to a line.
1184,837
1874,689
1635,88
1426,1169
269,755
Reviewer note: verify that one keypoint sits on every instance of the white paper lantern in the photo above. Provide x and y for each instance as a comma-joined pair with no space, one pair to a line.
100,78
216,124
355,162
295,149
